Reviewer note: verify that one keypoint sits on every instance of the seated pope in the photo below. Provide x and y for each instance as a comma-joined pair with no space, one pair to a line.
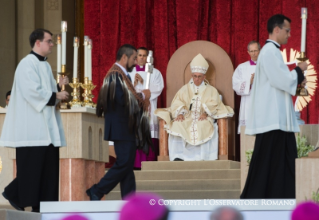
190,121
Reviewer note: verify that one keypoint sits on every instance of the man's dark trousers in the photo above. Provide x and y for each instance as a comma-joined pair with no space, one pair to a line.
121,172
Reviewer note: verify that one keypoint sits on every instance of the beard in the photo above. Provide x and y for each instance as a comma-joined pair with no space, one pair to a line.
129,68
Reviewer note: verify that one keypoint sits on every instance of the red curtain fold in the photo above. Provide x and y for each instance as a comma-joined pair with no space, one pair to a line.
165,25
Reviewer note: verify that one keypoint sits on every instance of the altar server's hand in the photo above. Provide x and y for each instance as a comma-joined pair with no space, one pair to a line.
303,66
303,84
138,78
203,117
147,94
179,118
63,95
63,81
252,78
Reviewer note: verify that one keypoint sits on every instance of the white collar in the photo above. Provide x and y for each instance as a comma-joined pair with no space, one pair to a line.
274,42
124,70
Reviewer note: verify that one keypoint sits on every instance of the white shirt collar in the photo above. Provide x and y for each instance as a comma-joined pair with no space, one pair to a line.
124,70
274,42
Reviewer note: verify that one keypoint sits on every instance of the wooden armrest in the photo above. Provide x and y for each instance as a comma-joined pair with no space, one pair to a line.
163,142
222,138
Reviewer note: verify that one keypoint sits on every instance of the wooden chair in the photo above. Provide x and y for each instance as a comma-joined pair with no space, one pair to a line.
219,75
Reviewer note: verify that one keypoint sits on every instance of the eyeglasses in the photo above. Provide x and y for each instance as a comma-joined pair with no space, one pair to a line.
199,77
48,41
253,51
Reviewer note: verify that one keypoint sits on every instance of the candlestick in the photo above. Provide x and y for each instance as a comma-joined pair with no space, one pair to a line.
75,57
76,102
303,29
88,87
63,29
63,73
89,50
86,42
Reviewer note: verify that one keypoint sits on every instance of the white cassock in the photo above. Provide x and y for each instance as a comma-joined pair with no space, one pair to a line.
271,106
156,88
241,85
29,120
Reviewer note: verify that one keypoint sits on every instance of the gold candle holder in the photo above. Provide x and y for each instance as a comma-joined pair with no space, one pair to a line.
64,104
88,87
302,91
76,102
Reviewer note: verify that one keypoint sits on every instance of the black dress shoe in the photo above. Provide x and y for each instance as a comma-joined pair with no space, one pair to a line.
178,159
35,209
92,196
12,203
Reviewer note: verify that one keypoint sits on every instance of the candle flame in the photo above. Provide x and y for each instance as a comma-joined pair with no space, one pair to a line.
64,26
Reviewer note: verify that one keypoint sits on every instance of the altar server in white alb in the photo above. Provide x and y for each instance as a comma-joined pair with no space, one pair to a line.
272,118
156,85
33,126
193,132
243,79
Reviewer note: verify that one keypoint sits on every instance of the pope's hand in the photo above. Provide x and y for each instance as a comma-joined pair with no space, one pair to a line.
63,95
63,81
203,117
179,118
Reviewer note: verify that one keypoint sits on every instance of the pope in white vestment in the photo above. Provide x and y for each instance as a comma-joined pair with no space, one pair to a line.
193,132
242,81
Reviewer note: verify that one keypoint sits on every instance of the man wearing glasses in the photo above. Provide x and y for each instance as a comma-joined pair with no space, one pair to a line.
243,79
33,126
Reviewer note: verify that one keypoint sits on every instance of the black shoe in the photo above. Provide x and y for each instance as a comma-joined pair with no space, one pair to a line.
35,209
12,203
92,196
178,159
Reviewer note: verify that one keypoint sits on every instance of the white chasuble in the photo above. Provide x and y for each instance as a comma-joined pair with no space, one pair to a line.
29,121
192,139
241,85
271,106
156,87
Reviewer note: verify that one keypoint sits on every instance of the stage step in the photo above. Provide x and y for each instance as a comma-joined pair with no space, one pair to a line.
187,174
6,214
187,180
190,165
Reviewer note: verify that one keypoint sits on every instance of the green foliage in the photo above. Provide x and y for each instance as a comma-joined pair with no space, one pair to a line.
315,196
302,148
249,154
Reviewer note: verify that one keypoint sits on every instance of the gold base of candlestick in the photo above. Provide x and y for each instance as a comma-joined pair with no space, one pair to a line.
88,87
302,57
76,102
63,73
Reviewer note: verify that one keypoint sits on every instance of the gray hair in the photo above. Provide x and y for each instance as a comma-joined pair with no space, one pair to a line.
253,42
219,212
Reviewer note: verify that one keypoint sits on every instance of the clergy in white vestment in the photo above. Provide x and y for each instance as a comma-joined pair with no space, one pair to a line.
272,118
33,126
190,121
243,79
156,85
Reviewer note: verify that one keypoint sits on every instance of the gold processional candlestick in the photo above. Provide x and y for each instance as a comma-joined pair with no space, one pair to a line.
76,102
303,91
63,73
88,87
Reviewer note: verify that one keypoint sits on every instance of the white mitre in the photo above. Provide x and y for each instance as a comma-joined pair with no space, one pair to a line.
199,64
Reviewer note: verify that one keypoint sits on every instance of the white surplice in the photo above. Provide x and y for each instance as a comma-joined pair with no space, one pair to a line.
271,106
241,85
156,88
29,120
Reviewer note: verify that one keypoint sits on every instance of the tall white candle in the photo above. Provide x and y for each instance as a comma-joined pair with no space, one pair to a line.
59,53
90,46
63,29
303,29
86,41
75,57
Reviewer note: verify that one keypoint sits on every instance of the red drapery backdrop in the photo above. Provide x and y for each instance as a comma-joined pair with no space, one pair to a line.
165,25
